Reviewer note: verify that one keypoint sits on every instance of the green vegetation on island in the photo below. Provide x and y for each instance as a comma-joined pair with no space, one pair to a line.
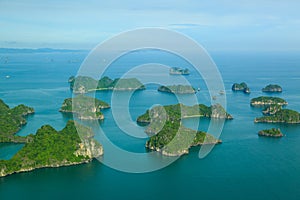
179,71
266,101
51,148
177,89
176,140
272,109
241,87
282,116
85,107
84,84
11,120
272,88
274,132
180,111
169,136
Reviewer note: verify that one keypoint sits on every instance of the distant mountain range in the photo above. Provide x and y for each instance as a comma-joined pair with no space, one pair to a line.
40,50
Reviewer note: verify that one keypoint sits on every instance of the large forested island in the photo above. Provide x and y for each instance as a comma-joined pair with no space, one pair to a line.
179,111
84,107
266,101
51,148
169,136
272,88
177,89
286,116
11,120
241,87
84,84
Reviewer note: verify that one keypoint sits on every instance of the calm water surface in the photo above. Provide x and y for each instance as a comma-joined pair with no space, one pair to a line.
244,166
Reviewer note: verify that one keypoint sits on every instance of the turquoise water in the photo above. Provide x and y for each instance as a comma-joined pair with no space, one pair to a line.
244,166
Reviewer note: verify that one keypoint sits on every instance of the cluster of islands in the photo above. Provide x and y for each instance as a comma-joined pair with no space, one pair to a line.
163,124
47,147
274,111
85,84
271,88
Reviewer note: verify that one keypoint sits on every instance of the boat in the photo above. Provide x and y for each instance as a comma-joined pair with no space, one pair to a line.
222,92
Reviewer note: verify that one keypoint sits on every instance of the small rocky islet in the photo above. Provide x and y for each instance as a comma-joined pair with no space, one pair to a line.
179,71
241,87
272,88
274,132
177,89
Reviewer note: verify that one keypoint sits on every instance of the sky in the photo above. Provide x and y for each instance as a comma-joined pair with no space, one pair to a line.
259,25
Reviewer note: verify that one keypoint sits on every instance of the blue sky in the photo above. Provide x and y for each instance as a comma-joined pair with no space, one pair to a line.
216,24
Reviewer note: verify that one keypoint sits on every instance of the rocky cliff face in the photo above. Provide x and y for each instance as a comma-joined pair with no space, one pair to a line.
267,103
272,109
2,172
91,117
80,90
89,148
52,148
217,111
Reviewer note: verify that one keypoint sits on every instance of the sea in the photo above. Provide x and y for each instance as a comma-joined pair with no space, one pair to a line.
245,166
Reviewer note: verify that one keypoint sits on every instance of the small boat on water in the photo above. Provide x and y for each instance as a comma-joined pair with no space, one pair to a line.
7,76
222,92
